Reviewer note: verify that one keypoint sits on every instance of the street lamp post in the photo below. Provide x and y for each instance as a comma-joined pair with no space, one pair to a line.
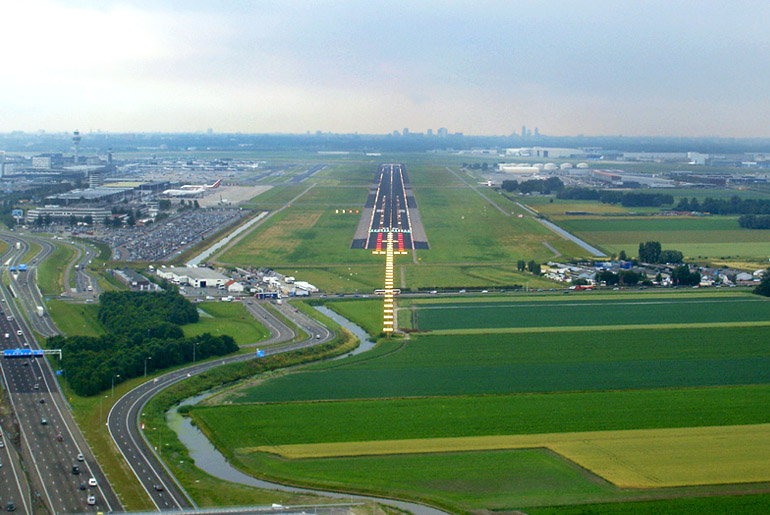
145,365
113,384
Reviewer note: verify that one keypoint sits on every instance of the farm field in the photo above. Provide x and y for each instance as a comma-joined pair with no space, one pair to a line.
538,362
713,237
518,402
587,312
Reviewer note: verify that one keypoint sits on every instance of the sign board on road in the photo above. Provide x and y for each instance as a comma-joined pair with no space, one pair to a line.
22,353
17,213
260,353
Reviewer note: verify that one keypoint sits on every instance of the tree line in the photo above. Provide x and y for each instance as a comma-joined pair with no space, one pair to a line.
544,186
626,199
754,221
142,331
732,206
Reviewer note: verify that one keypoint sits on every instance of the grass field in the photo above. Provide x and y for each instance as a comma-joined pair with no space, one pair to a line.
75,319
463,227
646,458
50,273
301,236
539,362
695,237
587,312
366,313
239,425
227,318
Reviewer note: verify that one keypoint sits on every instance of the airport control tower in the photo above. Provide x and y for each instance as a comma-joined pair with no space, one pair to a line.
76,141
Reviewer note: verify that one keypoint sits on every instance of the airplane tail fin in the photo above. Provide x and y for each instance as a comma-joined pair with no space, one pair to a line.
216,184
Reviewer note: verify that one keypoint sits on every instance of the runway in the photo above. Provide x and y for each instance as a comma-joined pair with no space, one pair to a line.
390,207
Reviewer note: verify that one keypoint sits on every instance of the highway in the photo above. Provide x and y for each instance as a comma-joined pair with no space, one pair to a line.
50,442
123,419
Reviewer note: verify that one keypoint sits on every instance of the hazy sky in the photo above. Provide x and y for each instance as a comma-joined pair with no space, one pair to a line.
662,68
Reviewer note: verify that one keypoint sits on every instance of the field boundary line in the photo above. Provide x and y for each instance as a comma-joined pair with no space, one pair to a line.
630,458
588,328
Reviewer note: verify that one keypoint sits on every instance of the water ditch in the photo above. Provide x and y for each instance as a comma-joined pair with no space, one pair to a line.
210,460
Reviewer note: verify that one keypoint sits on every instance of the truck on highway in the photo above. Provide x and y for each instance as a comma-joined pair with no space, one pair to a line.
18,245
40,311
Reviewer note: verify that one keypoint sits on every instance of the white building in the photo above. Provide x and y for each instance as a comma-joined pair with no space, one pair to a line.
195,277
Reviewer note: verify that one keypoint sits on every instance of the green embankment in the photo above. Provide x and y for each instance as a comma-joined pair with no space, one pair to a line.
227,318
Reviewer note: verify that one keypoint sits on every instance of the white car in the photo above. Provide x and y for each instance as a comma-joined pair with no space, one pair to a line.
91,499
19,332
92,481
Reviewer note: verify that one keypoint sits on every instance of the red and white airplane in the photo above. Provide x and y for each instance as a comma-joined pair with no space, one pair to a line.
190,190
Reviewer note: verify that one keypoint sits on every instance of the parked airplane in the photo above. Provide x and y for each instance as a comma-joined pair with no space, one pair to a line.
192,190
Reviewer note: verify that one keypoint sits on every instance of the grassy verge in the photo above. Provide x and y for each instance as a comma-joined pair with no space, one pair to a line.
34,250
366,313
50,273
75,319
227,318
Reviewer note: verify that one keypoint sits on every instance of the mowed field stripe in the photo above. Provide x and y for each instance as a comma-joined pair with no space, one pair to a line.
641,458
589,303
583,328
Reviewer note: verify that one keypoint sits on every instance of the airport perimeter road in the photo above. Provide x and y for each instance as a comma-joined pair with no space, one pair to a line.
123,419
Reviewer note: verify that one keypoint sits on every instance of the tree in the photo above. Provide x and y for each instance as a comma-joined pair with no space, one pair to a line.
763,288
670,256
164,204
521,265
682,276
622,255
533,268
73,221
509,185
607,277
649,252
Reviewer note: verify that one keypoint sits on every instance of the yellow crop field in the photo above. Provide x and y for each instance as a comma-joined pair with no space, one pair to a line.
649,458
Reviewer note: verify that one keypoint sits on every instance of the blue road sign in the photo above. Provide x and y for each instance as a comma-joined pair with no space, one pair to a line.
260,353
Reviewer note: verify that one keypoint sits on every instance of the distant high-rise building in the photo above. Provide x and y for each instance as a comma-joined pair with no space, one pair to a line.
443,132
2,164
430,132
95,179
405,132
537,132
76,141
523,131
396,133
529,133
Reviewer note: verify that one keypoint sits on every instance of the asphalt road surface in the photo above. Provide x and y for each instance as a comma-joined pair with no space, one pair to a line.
50,441
391,212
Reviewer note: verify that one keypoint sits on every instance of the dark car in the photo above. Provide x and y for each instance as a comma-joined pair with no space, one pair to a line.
75,469
10,507
159,488
82,486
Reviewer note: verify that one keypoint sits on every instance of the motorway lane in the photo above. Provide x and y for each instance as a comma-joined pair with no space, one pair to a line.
12,482
49,461
123,420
